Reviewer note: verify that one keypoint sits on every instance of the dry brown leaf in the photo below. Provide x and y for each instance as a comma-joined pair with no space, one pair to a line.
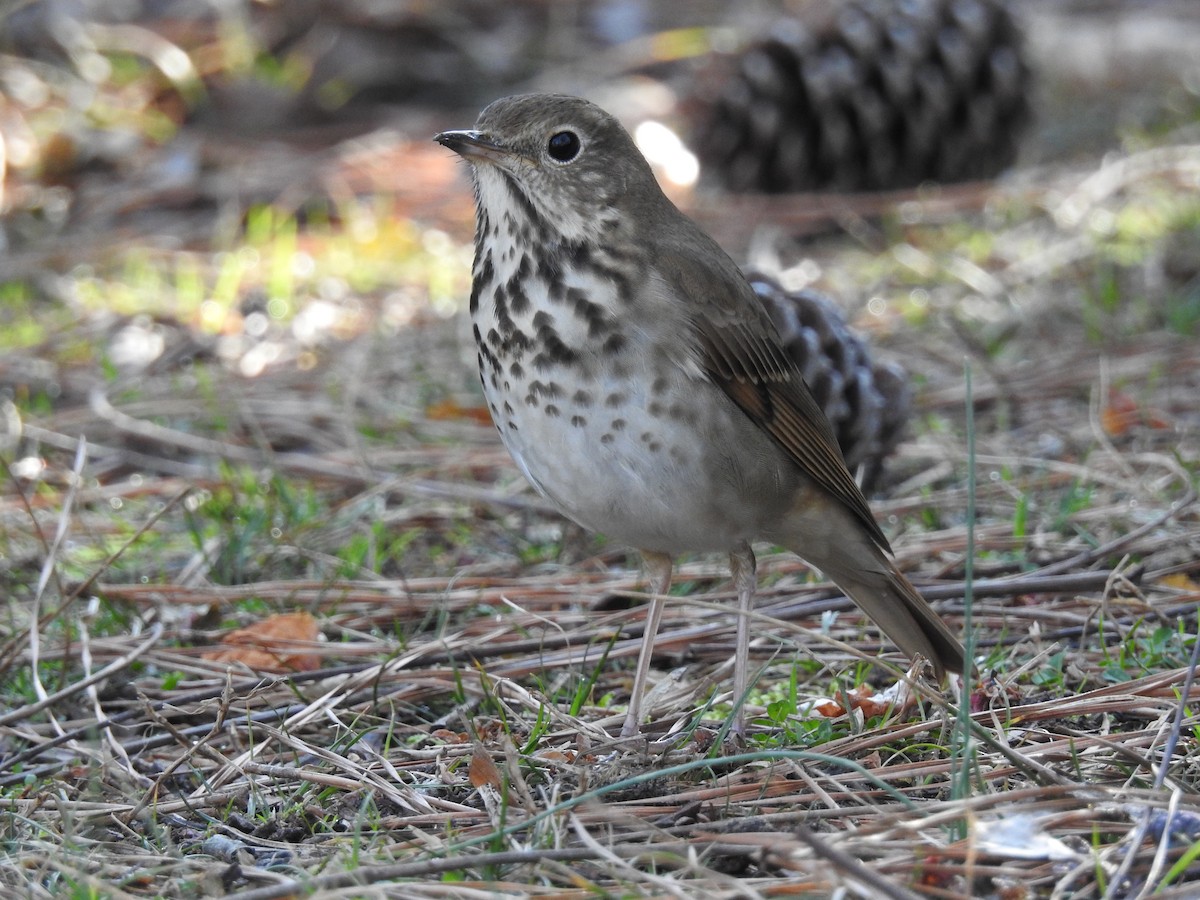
450,410
276,644
871,703
482,770
556,756
1181,581
1121,414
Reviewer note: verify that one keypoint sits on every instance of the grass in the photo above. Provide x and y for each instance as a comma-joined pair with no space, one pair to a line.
346,759
291,786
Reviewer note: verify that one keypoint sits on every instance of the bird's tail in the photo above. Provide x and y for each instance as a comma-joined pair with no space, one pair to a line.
841,547
885,595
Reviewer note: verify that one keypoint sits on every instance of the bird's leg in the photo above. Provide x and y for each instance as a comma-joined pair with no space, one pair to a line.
658,569
742,567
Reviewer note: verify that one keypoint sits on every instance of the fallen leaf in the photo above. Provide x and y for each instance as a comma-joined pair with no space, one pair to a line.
556,756
450,410
482,770
1121,414
830,709
280,643
870,703
1181,581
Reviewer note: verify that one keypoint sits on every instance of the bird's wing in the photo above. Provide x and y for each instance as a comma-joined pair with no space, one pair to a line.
739,350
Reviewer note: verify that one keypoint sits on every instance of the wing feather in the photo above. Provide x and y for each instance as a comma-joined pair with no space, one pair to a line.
739,350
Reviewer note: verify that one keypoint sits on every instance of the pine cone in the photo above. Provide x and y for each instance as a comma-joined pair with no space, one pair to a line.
871,95
868,403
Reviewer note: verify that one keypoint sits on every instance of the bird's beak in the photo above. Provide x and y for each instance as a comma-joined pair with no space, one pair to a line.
474,145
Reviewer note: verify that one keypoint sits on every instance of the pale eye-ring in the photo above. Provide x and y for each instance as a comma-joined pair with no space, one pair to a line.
563,146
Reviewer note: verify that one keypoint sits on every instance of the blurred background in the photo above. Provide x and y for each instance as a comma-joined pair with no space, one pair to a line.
169,120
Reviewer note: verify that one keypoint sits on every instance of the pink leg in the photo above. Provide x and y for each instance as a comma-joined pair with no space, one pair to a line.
743,568
658,568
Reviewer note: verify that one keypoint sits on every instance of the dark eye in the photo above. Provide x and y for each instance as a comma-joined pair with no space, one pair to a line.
563,146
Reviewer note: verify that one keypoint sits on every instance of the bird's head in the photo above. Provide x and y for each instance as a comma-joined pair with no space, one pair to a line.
558,164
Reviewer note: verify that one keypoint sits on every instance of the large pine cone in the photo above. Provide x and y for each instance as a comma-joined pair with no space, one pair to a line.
868,403
871,95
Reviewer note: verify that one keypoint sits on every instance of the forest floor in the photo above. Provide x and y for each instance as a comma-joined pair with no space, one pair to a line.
281,617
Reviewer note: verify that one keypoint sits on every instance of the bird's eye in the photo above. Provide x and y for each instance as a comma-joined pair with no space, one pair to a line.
563,146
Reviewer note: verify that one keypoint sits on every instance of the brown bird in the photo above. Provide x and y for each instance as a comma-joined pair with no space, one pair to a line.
640,385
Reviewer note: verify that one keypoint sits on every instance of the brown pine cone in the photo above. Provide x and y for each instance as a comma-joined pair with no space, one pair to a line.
871,95
867,402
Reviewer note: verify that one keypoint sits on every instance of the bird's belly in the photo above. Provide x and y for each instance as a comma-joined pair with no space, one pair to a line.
669,470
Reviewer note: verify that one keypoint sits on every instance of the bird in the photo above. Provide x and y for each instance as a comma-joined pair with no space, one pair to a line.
640,386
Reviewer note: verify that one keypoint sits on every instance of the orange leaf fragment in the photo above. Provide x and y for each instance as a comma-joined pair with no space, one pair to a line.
557,756
1121,414
1181,581
449,410
482,770
830,709
870,703
280,643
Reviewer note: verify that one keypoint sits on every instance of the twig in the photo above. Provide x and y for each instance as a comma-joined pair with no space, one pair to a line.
107,563
365,875
122,718
1164,847
1189,680
190,749
48,569
853,868
113,667
1085,559
304,463
1110,178
114,746
665,885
